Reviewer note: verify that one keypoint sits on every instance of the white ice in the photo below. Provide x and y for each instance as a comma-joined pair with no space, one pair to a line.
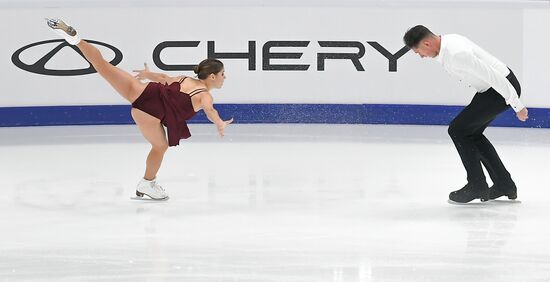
268,203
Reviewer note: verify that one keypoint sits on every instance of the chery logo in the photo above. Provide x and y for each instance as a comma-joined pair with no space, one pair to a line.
267,54
39,66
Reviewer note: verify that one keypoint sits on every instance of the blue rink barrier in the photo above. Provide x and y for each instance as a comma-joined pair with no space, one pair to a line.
268,113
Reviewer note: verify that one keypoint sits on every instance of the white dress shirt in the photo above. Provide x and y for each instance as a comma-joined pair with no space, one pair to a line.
476,67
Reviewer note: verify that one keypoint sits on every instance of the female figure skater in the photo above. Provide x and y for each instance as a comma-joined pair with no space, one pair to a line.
168,101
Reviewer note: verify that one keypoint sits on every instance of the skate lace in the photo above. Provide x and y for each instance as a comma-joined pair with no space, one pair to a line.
157,186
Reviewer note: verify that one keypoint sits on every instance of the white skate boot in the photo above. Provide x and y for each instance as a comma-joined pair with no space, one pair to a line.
151,189
66,31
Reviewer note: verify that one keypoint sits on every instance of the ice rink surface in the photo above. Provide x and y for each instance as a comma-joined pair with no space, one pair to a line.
271,203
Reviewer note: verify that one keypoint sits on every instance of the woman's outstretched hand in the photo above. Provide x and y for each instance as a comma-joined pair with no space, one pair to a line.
142,74
222,125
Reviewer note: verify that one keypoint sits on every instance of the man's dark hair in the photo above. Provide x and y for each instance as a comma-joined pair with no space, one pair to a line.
414,35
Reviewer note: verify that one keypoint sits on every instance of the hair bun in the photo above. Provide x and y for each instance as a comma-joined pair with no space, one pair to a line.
207,67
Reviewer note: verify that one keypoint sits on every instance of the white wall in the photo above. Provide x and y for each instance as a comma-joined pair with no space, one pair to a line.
514,33
536,57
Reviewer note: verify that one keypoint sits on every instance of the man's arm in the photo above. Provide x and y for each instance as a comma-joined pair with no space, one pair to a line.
481,70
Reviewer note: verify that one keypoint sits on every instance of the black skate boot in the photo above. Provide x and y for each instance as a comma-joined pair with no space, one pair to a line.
470,192
503,189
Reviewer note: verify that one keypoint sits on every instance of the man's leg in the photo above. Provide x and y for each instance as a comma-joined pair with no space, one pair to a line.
461,131
466,132
503,183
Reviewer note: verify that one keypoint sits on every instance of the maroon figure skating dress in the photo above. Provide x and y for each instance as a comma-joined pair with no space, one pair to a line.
171,106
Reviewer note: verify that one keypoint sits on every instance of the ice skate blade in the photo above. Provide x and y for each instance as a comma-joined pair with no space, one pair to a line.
147,199
141,196
486,203
504,202
471,203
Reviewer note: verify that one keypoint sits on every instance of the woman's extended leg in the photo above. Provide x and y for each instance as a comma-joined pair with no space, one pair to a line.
124,83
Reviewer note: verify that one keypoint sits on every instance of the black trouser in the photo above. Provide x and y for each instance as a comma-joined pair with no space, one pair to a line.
474,148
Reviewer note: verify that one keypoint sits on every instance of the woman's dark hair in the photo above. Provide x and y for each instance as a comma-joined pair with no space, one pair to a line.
416,34
207,67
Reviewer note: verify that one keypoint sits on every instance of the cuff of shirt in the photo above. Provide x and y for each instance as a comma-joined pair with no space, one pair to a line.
516,104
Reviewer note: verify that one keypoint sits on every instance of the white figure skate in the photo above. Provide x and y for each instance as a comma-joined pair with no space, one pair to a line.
64,30
151,189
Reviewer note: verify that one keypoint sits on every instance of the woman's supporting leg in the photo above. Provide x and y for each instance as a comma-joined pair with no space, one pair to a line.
153,131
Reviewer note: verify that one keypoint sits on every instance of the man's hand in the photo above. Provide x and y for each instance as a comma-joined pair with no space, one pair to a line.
523,115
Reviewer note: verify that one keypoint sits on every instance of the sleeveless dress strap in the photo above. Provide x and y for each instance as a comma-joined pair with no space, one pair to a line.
197,91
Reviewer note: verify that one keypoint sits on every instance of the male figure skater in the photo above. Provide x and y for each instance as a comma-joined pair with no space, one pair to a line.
497,89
